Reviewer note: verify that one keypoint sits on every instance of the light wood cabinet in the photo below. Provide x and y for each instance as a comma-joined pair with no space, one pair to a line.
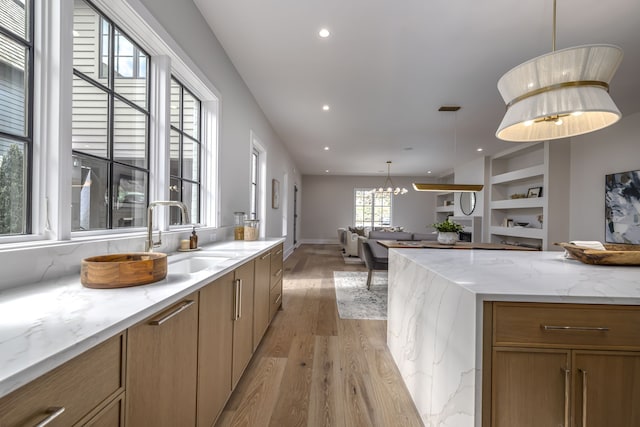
243,320
217,311
561,365
277,271
71,393
162,367
261,305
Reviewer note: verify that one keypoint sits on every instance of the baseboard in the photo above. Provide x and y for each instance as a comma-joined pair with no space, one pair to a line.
320,241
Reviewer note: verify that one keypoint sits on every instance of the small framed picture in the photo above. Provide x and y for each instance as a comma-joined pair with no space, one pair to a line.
275,194
509,223
534,192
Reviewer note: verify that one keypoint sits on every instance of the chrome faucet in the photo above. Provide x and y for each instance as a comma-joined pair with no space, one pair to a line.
150,244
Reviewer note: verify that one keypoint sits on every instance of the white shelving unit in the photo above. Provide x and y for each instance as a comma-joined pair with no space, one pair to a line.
515,171
444,210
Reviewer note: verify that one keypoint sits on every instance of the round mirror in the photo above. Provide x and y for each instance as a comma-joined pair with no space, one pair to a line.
467,203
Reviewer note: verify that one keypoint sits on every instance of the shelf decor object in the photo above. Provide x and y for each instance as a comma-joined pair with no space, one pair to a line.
388,186
622,207
615,254
560,94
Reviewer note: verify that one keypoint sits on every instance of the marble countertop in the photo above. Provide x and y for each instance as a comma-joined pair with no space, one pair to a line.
46,324
530,276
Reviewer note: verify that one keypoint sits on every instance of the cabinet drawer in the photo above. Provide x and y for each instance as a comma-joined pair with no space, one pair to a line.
276,264
566,325
78,386
275,299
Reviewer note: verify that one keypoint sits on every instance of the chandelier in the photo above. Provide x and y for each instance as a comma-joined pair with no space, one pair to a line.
560,94
388,186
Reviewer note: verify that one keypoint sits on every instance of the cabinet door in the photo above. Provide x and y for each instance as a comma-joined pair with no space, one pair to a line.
214,348
530,387
606,389
261,297
243,325
161,367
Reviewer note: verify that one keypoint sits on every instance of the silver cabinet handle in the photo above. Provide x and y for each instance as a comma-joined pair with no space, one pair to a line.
575,328
567,395
175,312
279,252
277,301
236,298
265,256
584,397
240,299
54,413
277,273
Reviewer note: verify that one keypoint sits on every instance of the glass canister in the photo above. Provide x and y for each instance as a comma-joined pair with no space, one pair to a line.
251,229
238,231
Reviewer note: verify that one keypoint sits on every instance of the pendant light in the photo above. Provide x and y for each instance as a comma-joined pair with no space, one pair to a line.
561,94
388,186
462,188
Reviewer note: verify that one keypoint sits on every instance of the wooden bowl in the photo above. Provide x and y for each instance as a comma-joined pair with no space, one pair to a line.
615,254
123,270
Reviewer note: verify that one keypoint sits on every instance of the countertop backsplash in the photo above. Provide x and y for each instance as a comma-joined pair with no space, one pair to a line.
27,264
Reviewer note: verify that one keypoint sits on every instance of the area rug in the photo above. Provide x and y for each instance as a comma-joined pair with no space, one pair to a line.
353,298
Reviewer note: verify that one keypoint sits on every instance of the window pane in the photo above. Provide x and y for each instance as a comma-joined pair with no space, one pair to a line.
13,92
190,159
130,195
89,118
90,32
174,154
13,17
191,115
127,81
129,135
190,193
175,104
89,194
12,187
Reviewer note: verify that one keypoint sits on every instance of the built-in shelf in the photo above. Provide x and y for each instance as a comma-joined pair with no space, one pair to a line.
515,171
448,209
471,224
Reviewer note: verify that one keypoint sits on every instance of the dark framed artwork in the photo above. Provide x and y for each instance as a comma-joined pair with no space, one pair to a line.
275,194
534,192
622,208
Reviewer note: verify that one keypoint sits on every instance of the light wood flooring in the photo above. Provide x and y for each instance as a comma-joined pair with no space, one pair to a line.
313,368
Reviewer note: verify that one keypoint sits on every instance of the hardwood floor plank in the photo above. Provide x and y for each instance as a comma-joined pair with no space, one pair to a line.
316,368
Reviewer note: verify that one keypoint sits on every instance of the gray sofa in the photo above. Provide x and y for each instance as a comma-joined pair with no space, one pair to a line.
380,252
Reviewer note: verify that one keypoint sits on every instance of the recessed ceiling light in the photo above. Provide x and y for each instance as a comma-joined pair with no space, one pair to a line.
324,33
428,171
478,149
327,170
326,148
325,107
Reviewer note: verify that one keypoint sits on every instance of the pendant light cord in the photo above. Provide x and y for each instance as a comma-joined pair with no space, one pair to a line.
553,34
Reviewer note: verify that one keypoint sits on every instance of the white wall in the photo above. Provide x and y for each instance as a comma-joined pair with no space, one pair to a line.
611,150
328,204
239,115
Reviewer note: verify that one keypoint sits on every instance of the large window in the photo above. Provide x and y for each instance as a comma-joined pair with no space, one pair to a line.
110,125
372,209
185,151
16,101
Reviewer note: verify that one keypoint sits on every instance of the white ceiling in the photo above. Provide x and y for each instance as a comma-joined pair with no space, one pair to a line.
389,64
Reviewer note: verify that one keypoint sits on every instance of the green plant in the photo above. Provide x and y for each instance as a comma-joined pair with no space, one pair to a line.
448,226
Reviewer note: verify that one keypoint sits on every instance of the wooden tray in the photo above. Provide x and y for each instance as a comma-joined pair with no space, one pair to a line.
123,270
615,254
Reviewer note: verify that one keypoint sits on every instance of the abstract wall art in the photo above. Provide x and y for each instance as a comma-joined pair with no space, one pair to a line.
622,208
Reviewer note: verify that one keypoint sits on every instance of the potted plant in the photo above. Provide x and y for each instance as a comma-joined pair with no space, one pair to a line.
447,232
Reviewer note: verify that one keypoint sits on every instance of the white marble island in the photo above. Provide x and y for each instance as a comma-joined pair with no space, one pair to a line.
435,317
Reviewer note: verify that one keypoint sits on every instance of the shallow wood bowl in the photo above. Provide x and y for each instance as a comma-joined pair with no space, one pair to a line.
123,270
615,254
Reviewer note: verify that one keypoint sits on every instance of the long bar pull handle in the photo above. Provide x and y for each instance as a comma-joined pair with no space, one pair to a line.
54,413
236,297
279,252
277,301
278,273
240,299
575,328
175,312
584,397
265,256
567,395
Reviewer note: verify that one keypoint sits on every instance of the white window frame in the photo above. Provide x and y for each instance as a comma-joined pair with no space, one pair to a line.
52,160
372,224
262,179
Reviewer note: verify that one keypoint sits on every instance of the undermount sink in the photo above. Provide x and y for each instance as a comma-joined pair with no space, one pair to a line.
195,264
123,270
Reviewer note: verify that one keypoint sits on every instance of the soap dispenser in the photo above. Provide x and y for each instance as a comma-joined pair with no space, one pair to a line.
193,240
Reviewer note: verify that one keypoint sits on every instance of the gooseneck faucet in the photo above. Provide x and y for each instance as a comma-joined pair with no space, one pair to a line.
150,244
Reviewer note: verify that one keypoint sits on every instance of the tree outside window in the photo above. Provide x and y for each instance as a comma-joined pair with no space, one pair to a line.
372,209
